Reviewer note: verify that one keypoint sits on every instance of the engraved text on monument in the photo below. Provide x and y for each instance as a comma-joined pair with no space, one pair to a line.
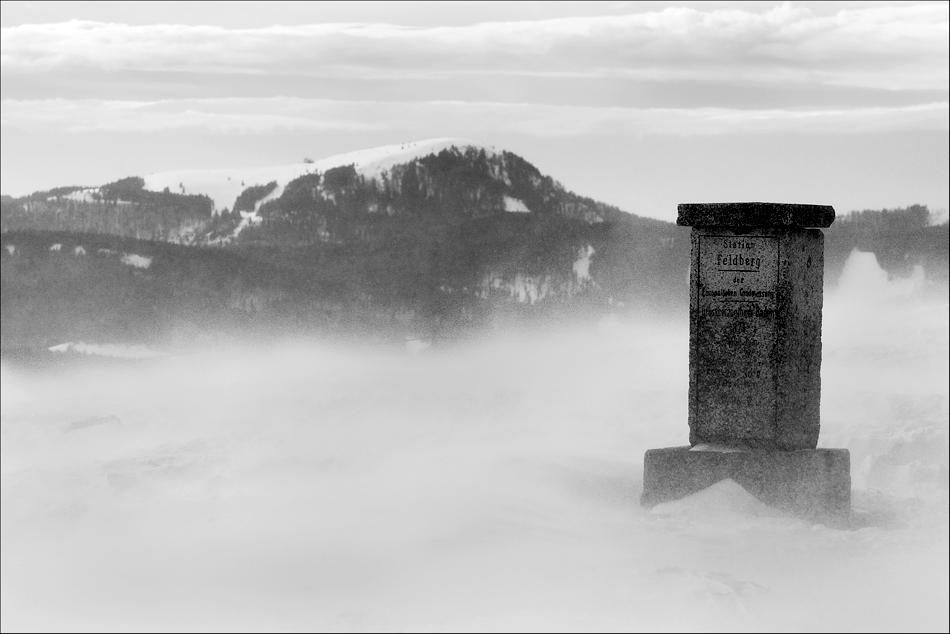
738,277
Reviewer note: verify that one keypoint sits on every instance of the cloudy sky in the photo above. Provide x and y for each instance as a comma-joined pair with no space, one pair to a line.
642,105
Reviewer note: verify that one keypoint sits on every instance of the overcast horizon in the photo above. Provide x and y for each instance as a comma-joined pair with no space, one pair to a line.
638,105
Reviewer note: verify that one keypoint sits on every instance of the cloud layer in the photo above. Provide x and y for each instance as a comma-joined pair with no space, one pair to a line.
264,115
893,47
852,98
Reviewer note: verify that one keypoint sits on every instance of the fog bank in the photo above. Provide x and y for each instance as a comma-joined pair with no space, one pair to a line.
492,485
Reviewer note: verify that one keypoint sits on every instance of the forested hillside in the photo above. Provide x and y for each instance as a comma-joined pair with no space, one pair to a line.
442,244
900,238
59,286
123,208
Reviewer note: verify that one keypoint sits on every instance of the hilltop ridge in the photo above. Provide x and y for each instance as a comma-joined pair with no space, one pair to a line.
224,185
214,206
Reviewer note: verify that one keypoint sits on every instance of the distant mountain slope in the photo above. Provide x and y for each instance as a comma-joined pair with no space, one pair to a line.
437,222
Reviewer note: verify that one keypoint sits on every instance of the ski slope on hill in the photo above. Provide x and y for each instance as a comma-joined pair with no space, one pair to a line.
223,186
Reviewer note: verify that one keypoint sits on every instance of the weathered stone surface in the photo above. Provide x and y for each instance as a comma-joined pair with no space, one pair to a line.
813,484
755,337
755,363
754,215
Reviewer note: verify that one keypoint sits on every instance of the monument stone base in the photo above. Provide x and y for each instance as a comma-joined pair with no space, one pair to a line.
813,484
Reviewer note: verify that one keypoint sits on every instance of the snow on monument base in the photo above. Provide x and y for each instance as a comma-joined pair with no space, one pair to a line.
813,484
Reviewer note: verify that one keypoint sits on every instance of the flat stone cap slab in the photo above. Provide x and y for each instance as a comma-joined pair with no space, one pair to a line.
754,215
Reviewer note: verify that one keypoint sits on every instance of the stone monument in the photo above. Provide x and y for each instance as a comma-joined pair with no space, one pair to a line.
756,274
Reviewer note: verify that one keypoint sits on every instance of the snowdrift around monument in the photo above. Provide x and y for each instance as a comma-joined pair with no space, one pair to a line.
726,501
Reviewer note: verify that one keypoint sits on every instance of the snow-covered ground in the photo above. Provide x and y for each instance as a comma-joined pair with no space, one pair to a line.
223,186
515,205
490,487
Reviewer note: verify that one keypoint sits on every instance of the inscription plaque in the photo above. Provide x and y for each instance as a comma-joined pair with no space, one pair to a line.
755,337
736,328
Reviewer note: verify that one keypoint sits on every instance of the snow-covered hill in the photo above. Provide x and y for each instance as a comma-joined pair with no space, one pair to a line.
223,186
